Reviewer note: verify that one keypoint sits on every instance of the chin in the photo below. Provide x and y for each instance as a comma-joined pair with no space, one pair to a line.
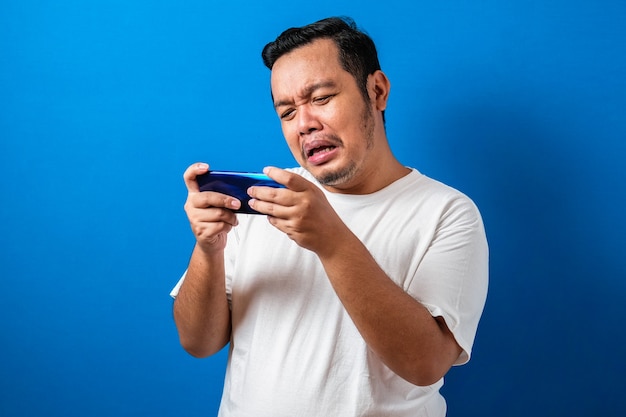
335,177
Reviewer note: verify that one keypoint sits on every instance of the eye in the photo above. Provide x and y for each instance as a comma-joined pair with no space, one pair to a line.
322,99
287,114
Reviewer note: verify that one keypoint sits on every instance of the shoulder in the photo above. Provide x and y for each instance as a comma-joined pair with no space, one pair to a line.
416,184
437,197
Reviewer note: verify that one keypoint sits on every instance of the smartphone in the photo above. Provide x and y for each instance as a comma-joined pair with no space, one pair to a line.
235,184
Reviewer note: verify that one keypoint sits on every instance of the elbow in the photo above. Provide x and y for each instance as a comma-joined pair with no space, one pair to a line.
422,376
422,371
425,379
428,369
197,341
199,349
196,351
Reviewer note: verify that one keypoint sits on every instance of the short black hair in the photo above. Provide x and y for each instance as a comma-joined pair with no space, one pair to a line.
357,52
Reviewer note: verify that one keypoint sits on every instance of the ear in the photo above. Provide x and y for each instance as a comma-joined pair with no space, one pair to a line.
379,87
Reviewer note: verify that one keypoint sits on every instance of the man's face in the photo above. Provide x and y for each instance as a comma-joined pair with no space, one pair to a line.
327,123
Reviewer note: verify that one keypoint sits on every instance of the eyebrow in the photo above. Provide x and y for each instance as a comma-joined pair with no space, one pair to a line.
308,90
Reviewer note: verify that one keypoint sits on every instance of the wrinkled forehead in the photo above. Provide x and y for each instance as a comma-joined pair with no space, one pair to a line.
306,66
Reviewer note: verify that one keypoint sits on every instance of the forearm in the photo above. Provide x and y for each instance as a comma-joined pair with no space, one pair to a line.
399,329
201,310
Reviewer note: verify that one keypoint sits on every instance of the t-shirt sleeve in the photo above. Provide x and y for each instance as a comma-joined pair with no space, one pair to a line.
176,288
452,278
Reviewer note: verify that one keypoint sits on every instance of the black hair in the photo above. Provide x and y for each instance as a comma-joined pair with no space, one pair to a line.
357,52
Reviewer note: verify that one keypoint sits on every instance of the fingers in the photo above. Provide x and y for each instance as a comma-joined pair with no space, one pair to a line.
209,223
290,180
210,213
205,199
282,202
270,200
191,173
269,208
208,199
209,207
209,218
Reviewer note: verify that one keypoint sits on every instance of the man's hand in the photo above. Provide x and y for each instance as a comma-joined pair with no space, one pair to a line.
301,210
208,212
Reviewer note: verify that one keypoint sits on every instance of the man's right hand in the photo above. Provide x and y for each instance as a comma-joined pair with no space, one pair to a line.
208,212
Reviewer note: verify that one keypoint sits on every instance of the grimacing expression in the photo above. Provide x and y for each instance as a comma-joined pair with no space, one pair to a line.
325,120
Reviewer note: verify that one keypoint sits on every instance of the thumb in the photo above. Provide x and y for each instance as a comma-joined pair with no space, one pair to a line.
191,173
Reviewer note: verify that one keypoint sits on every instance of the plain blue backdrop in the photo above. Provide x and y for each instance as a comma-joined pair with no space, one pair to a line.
103,104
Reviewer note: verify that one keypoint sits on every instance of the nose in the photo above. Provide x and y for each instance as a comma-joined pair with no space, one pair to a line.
308,121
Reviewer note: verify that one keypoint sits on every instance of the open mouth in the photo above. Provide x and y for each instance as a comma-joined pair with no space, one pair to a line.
319,150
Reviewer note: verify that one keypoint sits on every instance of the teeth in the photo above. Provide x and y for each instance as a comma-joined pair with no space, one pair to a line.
318,150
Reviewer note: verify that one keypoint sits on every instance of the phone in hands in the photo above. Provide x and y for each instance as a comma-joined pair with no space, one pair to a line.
235,184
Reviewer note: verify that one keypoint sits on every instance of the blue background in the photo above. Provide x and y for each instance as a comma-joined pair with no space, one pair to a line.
103,104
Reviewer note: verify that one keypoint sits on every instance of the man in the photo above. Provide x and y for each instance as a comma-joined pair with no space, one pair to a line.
364,281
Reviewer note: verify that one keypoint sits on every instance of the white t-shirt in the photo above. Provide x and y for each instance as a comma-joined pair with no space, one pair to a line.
295,351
